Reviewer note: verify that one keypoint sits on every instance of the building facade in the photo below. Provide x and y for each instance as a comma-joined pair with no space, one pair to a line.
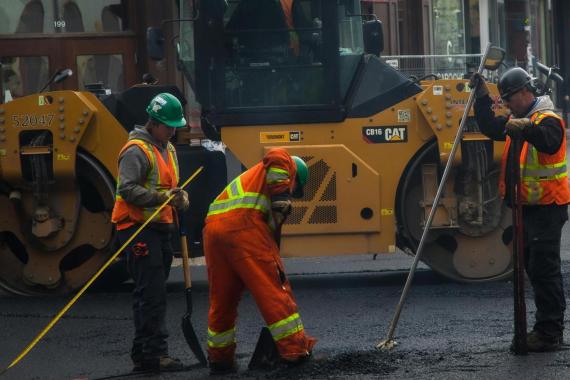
529,30
101,41
104,41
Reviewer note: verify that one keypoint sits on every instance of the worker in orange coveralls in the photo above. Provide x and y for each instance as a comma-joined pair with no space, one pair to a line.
240,240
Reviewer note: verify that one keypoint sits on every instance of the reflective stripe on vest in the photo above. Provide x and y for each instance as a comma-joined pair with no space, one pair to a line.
286,327
221,339
161,180
533,170
239,199
541,183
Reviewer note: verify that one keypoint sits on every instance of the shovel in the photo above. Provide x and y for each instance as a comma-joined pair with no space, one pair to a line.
187,328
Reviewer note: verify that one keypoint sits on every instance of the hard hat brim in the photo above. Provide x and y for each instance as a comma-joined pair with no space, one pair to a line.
176,124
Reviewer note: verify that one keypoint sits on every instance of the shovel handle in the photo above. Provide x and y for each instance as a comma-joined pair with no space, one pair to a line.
184,248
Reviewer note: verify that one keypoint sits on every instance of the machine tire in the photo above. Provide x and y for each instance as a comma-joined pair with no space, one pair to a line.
449,251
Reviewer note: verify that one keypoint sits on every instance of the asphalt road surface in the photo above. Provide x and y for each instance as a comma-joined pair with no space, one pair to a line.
447,330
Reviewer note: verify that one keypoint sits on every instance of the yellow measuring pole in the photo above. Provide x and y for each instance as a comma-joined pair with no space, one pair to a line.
90,282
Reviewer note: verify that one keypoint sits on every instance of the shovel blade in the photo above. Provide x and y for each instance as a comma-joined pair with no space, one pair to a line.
265,356
192,340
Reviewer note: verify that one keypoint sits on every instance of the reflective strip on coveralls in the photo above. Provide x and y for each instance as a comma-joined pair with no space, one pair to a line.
222,339
237,199
286,327
276,175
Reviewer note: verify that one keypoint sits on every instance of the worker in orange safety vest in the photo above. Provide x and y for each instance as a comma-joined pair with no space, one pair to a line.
544,187
241,249
148,175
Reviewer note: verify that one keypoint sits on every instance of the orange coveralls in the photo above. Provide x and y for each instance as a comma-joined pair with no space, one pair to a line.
241,252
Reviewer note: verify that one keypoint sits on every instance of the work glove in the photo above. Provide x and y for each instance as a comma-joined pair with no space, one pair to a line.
281,209
477,83
180,200
516,127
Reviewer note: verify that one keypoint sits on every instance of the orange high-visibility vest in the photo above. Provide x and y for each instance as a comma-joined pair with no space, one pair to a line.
162,176
544,177
250,193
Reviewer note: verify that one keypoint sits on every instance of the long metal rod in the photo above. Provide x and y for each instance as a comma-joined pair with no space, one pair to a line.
388,342
519,341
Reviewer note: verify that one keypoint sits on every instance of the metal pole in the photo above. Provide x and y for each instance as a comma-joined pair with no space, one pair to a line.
389,342
519,341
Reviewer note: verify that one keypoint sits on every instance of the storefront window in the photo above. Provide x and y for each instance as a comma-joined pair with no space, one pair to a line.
350,27
472,32
57,16
24,75
104,69
449,35
497,34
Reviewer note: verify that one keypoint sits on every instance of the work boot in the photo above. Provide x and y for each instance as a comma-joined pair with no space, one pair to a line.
539,342
169,364
147,365
161,364
222,368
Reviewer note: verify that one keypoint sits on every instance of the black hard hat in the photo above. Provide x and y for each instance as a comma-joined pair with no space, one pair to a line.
513,80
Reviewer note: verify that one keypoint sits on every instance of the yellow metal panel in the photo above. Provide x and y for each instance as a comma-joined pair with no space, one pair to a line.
340,145
73,118
442,105
340,186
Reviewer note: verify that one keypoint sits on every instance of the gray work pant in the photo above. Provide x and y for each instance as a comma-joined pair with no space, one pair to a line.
149,257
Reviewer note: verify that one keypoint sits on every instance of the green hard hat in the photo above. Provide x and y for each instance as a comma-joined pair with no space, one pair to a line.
301,178
166,108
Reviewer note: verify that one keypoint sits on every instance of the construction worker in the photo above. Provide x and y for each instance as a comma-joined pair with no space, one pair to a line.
544,187
273,18
148,175
241,248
